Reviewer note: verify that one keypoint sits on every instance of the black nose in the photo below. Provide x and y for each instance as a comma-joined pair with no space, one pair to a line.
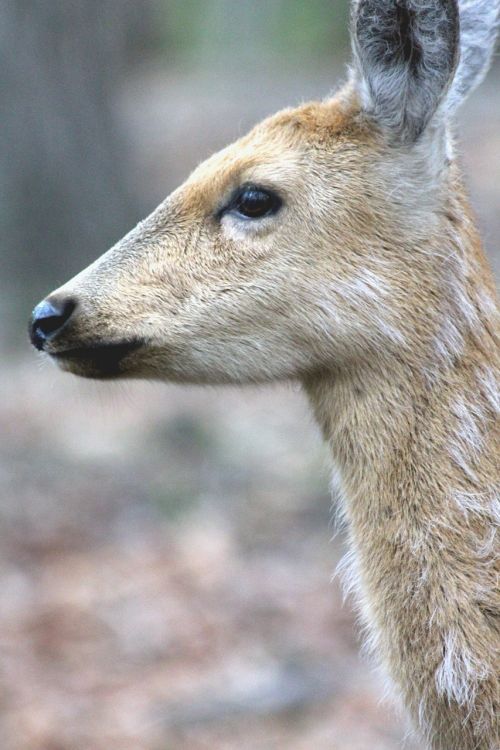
48,318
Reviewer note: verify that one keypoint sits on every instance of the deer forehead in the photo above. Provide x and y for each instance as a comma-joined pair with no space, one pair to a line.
279,152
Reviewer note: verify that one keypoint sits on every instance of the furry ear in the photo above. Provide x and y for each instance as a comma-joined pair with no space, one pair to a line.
405,56
478,32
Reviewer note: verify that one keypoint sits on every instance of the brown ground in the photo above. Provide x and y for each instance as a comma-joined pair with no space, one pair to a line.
166,574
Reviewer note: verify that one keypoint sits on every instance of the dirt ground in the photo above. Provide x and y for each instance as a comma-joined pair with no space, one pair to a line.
166,574
166,553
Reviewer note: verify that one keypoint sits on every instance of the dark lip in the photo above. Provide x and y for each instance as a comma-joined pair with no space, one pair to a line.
103,357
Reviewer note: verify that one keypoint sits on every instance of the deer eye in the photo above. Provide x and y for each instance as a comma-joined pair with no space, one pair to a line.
254,202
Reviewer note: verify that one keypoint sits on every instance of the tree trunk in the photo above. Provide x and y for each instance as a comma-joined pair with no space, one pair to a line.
65,185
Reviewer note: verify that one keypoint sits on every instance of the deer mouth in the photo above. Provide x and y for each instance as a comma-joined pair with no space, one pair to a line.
99,360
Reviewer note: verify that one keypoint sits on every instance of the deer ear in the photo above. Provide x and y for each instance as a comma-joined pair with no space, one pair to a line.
405,55
478,32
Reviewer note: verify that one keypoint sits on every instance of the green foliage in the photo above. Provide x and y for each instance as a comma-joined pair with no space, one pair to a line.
180,26
314,29
214,32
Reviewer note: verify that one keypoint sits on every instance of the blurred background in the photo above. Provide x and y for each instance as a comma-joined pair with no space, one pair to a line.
166,553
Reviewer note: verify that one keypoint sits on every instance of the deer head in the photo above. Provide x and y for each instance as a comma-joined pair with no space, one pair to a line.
312,243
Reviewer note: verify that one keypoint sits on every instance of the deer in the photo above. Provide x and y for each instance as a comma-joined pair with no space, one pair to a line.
334,245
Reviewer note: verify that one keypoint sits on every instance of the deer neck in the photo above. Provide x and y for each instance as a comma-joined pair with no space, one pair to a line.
415,448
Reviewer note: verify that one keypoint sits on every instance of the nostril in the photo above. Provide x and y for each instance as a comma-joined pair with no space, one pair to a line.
48,319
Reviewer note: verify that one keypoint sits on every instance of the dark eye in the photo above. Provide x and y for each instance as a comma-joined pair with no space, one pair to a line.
254,202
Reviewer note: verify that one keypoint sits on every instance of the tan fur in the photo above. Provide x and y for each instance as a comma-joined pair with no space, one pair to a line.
371,287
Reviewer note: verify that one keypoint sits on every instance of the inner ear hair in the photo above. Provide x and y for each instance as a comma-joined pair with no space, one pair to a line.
406,53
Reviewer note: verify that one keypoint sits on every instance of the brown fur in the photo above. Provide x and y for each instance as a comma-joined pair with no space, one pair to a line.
371,287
